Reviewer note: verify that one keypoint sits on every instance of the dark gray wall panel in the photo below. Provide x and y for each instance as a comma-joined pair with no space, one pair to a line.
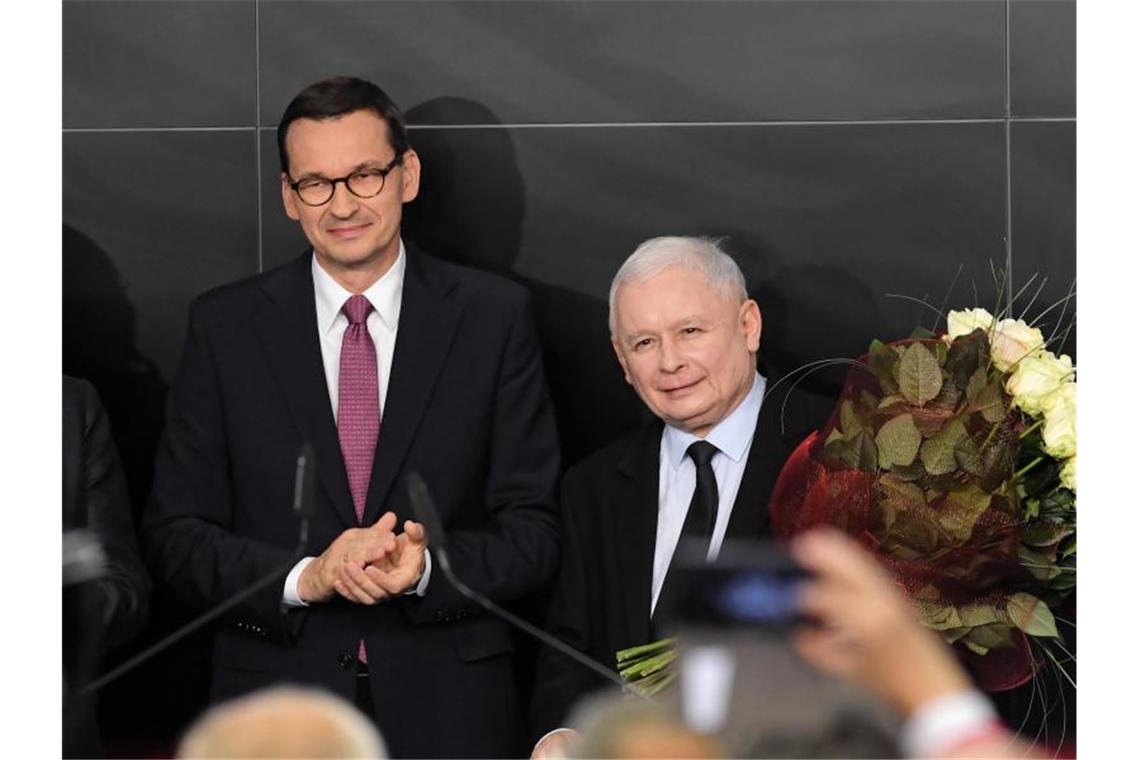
824,220
1043,57
150,221
1044,173
146,64
281,237
640,61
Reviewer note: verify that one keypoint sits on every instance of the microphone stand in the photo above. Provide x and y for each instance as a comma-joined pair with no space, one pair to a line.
425,511
303,501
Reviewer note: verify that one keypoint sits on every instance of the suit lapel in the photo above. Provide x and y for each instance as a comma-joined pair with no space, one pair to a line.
749,518
635,507
428,320
287,327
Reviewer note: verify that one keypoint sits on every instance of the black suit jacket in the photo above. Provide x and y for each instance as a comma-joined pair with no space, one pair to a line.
467,408
601,600
109,611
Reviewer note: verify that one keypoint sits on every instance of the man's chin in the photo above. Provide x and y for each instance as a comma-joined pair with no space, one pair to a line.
688,420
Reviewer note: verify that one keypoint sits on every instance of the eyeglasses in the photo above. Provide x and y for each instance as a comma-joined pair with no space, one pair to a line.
363,183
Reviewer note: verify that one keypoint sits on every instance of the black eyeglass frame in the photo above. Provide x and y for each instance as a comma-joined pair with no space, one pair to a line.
334,181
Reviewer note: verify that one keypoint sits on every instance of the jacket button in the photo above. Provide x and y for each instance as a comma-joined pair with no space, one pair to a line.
346,661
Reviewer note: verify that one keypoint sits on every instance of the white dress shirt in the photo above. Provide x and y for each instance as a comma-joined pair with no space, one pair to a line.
678,479
386,296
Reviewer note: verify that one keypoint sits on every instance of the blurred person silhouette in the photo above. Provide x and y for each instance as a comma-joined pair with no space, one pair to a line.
868,633
283,722
105,584
612,726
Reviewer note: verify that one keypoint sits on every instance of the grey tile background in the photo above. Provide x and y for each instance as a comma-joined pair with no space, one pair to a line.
848,149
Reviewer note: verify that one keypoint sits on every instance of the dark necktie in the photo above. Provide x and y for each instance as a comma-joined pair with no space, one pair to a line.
699,523
358,401
700,520
358,407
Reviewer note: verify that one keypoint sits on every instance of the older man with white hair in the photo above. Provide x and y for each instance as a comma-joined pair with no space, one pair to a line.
687,336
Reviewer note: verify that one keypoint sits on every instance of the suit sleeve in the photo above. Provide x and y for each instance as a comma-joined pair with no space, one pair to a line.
560,681
188,537
125,587
516,551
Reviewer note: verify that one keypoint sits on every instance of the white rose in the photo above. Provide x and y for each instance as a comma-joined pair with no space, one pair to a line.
1060,434
964,322
1036,378
1013,340
1069,473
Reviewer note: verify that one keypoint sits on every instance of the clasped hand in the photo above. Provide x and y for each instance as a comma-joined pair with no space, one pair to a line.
367,565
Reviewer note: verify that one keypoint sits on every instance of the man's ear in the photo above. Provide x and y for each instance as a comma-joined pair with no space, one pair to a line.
751,323
621,358
289,198
410,177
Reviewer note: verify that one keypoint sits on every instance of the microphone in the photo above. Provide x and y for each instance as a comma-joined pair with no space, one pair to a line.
426,514
304,503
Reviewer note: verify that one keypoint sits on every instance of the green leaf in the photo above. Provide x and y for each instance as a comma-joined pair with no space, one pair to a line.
991,403
967,456
1046,532
848,421
997,463
976,385
948,397
961,510
930,420
868,453
898,441
982,639
1031,615
920,378
940,352
895,496
975,615
883,361
889,401
910,472
914,534
938,450
967,354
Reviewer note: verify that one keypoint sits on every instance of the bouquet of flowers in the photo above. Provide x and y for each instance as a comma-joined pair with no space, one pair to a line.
954,460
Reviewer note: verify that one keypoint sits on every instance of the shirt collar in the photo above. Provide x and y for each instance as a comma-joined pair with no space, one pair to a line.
384,294
732,435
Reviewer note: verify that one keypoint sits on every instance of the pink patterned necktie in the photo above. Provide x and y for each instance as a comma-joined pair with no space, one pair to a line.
358,406
358,401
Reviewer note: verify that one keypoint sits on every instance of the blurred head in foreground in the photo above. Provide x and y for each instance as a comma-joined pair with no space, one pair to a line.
612,726
283,722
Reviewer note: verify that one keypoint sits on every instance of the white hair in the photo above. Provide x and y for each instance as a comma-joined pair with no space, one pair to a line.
697,254
282,722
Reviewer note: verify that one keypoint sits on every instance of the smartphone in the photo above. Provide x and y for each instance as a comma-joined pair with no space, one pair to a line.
753,584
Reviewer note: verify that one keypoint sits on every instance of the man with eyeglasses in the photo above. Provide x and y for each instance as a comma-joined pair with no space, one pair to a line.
388,362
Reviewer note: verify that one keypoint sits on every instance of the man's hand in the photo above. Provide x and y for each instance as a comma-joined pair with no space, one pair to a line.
869,632
340,568
401,568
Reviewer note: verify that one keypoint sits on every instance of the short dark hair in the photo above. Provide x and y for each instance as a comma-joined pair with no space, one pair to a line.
335,97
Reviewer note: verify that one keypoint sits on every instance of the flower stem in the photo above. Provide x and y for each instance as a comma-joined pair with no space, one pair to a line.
1028,467
1032,427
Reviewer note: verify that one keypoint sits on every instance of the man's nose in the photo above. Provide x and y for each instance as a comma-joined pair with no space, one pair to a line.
670,359
343,203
